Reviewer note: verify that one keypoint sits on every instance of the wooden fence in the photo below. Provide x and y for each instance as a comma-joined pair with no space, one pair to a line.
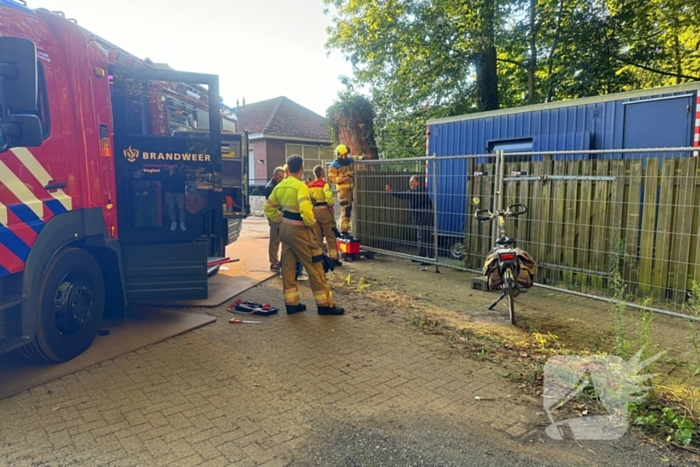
583,217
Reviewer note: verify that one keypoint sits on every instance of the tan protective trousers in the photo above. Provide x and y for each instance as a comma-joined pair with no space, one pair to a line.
324,228
299,244
345,201
274,247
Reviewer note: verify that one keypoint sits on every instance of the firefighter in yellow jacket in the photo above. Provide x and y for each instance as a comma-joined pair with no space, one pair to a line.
342,173
290,205
322,199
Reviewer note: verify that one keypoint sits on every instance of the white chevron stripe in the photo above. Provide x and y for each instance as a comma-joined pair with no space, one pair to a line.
20,190
40,173
3,214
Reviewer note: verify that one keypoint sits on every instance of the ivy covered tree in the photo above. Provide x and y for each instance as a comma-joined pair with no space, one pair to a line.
352,124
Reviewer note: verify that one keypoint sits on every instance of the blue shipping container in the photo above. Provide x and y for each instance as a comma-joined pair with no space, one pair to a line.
654,118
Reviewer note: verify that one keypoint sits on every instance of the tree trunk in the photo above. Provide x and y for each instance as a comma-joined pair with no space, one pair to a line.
485,62
677,57
486,80
552,51
532,64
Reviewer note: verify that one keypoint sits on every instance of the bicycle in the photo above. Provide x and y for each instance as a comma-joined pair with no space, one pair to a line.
506,254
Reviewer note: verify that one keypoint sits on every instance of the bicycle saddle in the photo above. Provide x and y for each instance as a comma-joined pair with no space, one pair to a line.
504,241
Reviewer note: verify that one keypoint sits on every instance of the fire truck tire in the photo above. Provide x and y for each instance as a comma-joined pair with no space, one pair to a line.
69,308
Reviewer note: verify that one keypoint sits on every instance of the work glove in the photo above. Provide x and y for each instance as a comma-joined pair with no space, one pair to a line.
327,264
336,233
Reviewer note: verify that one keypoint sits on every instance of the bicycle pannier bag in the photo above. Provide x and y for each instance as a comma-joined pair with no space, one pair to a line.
527,268
493,275
525,278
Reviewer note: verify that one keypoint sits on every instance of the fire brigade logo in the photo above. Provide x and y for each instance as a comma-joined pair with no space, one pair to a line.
131,154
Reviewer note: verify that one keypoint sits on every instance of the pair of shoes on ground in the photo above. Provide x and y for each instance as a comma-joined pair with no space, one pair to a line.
322,310
173,226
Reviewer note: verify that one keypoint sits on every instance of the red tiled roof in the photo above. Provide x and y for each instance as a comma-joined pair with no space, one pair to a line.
282,117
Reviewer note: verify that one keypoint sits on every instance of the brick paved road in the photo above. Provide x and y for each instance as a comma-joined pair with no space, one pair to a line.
300,390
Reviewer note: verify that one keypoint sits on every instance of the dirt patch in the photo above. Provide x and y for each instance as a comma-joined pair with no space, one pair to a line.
548,323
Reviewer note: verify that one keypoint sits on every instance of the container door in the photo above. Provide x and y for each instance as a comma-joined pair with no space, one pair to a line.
168,165
659,123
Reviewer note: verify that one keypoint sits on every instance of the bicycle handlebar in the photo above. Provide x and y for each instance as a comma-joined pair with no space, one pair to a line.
481,218
513,210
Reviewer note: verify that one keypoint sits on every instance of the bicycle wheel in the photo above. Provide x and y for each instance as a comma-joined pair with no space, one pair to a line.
511,295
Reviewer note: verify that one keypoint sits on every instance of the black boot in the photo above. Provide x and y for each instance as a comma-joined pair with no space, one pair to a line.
291,309
326,310
337,263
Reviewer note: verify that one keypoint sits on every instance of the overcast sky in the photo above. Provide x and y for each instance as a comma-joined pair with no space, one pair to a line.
260,49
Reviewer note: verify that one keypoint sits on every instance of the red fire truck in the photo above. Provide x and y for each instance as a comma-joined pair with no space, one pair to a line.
113,188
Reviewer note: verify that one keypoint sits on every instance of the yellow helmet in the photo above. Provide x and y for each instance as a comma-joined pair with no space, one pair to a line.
341,149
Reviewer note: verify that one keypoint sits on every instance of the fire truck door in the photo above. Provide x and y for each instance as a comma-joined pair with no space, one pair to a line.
234,180
34,183
168,165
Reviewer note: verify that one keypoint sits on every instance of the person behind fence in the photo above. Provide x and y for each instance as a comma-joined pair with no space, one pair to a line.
290,206
274,245
322,199
421,214
342,173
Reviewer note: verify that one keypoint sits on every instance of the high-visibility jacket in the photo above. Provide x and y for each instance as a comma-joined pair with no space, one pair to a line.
291,195
342,168
320,193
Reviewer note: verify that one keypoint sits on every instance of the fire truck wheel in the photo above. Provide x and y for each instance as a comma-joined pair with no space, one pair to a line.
70,306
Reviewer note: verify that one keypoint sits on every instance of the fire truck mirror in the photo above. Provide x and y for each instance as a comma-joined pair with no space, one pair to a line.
24,131
18,69
18,94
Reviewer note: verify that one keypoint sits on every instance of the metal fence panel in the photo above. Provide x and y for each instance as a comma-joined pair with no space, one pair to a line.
632,214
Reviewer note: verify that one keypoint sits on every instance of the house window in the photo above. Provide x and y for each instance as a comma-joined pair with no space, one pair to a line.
313,155
326,153
293,149
308,151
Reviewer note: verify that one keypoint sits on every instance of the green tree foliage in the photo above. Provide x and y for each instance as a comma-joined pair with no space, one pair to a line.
417,59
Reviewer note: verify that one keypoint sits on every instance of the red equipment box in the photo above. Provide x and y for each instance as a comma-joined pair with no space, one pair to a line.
348,246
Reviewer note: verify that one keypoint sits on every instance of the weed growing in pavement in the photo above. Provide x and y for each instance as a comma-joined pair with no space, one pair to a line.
693,307
618,289
644,331
673,423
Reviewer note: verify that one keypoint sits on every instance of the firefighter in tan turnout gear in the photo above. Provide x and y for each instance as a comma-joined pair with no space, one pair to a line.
290,205
342,173
322,199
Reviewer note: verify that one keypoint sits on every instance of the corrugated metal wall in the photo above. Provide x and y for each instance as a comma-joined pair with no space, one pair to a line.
582,125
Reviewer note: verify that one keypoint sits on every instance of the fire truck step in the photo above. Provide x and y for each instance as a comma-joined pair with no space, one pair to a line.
6,342
9,302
